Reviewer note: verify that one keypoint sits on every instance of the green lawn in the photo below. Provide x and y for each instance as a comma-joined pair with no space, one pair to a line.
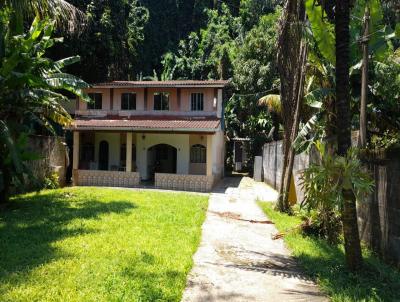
326,263
93,244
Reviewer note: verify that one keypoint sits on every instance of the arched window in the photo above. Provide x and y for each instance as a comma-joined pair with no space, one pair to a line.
198,154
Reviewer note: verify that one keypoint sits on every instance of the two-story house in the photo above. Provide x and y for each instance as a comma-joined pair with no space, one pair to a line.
169,132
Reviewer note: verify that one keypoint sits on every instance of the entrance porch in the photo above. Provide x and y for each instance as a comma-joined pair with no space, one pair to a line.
179,161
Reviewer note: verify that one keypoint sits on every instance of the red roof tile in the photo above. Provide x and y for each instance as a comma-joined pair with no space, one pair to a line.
182,84
153,123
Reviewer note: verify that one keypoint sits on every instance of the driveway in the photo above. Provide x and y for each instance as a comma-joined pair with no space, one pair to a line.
237,259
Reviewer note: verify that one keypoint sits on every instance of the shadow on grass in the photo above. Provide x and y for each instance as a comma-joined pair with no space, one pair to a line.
30,225
375,282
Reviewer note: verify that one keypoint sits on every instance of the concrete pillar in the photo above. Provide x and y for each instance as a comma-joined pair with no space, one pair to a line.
129,152
75,159
209,158
219,103
257,168
141,156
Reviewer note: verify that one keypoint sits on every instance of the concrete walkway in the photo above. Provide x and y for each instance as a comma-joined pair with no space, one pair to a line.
237,259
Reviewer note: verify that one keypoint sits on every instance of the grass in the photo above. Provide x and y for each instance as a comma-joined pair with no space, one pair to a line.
326,264
93,244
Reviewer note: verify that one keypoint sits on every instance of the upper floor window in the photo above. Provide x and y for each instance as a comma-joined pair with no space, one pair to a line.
198,154
161,101
197,102
128,101
97,100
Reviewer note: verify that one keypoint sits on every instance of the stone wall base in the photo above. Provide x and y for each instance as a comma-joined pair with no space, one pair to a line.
195,183
106,178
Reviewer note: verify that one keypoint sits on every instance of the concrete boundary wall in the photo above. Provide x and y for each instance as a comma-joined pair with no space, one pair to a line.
272,166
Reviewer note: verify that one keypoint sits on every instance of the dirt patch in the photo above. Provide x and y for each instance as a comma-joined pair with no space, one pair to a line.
235,216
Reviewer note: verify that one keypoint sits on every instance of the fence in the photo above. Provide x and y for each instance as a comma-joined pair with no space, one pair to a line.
378,215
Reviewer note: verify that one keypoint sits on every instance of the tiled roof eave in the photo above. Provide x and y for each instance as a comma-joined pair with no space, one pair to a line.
163,84
142,129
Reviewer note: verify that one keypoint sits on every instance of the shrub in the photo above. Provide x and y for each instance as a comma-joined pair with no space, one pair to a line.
324,183
51,181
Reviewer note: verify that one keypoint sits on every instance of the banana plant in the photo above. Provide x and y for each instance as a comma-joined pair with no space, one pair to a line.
31,90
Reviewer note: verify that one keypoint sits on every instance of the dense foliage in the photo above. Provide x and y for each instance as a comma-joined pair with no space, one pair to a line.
31,87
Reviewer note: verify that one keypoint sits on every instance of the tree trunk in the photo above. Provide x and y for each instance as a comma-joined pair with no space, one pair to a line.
295,128
364,82
6,186
349,214
290,62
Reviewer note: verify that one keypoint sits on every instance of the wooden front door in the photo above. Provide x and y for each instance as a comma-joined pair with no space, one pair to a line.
103,156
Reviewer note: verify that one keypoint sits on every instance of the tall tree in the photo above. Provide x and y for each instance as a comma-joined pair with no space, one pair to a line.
109,45
343,112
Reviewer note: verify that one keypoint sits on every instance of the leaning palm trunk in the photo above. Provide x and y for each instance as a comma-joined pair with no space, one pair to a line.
289,48
295,127
349,212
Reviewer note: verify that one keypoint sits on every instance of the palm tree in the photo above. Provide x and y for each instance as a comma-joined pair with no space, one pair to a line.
273,104
67,16
349,212
289,48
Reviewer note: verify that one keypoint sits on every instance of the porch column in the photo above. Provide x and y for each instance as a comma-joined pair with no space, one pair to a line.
129,152
75,159
209,158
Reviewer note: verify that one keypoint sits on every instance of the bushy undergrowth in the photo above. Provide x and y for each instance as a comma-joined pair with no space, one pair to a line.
326,264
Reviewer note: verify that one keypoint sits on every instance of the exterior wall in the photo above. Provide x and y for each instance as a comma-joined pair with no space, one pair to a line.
196,183
106,178
218,154
212,102
178,141
114,146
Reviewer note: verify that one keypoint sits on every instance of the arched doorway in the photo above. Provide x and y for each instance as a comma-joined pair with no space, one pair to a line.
103,156
161,158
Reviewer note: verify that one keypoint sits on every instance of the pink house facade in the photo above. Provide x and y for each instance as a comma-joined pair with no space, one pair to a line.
169,133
